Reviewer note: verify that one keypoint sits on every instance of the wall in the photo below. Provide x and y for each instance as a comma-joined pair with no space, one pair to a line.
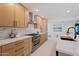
65,23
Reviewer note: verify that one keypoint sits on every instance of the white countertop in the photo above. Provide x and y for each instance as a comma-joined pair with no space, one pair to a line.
68,47
10,40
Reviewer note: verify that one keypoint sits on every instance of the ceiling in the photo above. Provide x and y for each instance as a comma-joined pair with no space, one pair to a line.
54,10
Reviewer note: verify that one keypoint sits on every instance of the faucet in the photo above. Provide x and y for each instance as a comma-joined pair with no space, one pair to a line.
12,34
74,31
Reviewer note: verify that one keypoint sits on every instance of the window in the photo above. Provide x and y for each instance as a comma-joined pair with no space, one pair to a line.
57,28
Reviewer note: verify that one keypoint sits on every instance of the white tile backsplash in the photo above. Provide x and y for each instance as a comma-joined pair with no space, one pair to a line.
19,31
4,32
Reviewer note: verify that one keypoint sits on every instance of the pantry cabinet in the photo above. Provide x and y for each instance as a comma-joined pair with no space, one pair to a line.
13,15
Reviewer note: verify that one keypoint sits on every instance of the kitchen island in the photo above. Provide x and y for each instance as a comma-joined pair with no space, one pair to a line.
67,48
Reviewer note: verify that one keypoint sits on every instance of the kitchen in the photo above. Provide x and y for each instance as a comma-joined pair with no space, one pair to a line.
29,29
21,32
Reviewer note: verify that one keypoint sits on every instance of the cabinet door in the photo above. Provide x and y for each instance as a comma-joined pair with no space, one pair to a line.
6,14
43,38
26,17
44,25
0,51
8,50
19,15
29,46
39,23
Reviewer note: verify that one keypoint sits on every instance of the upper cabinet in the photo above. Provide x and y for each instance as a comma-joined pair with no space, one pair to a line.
6,14
19,15
13,15
41,23
26,17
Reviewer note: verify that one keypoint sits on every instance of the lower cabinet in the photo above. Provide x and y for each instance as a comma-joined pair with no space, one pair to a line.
8,50
19,48
43,38
29,46
0,51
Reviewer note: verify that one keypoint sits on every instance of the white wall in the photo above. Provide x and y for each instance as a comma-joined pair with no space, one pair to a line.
66,23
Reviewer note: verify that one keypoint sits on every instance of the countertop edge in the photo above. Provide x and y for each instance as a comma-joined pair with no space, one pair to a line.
11,40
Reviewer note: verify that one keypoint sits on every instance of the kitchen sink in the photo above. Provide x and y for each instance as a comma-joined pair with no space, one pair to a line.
67,38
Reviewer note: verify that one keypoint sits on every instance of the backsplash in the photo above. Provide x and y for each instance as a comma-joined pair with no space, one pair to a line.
4,32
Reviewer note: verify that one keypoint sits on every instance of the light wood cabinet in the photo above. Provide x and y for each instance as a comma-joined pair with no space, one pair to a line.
6,14
0,51
18,48
43,38
13,15
38,21
26,47
29,46
41,23
8,50
19,15
44,25
26,17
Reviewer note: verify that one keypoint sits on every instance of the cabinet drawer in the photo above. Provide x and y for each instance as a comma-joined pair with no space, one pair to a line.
10,52
18,43
8,46
18,51
23,53
19,48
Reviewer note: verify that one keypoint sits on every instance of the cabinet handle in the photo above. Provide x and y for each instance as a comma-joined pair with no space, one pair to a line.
19,42
19,49
15,23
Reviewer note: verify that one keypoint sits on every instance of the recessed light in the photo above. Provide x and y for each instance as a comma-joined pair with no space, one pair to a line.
68,11
36,10
42,16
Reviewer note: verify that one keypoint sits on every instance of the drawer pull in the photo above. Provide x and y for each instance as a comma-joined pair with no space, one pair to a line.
19,49
19,43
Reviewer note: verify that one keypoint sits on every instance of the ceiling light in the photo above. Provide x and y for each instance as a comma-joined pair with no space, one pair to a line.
36,10
68,11
42,16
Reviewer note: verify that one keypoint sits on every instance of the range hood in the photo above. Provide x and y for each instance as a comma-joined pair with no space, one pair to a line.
30,18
